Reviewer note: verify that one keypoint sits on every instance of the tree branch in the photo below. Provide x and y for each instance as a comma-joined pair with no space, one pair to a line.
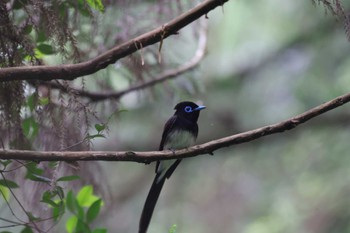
206,148
166,75
72,71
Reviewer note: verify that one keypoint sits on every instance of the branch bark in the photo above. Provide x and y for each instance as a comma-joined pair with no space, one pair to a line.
166,75
73,71
206,148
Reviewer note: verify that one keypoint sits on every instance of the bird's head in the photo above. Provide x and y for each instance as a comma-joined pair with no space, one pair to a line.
188,110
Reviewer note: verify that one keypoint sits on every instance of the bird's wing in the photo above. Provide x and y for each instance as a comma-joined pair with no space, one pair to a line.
167,128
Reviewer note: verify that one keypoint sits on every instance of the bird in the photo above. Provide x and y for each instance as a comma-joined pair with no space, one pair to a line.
180,132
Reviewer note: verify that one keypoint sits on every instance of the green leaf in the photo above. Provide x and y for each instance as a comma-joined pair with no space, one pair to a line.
74,206
30,127
47,198
27,29
81,213
18,4
5,193
173,229
5,163
100,127
96,4
8,183
71,202
71,224
82,227
96,136
31,102
51,203
100,230
93,211
26,126
41,37
33,171
57,212
45,49
44,101
48,195
86,197
27,230
59,191
53,164
68,178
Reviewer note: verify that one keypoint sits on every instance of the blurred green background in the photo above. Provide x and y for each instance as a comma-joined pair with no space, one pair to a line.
266,61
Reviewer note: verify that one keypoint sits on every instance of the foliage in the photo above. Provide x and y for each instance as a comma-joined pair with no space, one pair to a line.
80,219
83,208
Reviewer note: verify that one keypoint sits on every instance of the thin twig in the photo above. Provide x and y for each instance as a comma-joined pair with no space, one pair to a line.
10,221
16,168
20,205
10,208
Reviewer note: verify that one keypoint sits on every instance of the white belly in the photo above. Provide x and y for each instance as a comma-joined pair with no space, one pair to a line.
175,141
179,140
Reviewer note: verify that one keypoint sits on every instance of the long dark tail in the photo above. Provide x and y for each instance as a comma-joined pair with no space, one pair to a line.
150,203
153,196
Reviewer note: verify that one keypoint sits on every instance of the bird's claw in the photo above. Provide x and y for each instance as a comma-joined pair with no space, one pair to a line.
172,150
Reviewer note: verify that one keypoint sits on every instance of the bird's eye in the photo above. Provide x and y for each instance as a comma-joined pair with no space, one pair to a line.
188,109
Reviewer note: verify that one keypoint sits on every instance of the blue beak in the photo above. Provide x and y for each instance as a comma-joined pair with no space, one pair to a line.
199,108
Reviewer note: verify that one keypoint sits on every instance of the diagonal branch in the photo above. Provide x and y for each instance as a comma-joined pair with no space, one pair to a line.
165,76
73,71
206,148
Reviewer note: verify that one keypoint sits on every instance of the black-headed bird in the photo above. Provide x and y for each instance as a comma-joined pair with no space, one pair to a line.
180,132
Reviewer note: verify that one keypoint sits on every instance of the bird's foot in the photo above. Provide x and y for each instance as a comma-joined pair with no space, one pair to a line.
172,150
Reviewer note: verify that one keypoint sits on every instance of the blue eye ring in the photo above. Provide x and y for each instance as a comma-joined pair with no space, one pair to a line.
188,109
